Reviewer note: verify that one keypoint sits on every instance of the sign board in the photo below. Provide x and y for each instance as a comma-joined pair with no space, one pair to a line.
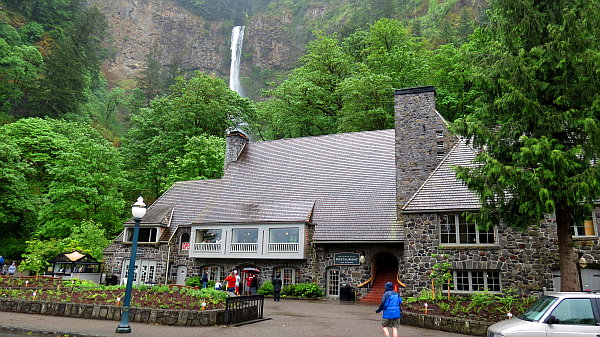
347,259
116,270
185,246
139,252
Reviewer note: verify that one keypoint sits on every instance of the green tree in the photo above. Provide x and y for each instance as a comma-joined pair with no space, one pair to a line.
202,105
536,118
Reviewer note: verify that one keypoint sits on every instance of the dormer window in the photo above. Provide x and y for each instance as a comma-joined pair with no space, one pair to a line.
146,235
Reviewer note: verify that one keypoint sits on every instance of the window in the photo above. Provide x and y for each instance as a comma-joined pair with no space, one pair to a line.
144,235
283,235
440,155
439,134
333,282
574,311
455,229
185,241
245,235
469,281
208,236
147,275
214,273
288,275
585,228
440,145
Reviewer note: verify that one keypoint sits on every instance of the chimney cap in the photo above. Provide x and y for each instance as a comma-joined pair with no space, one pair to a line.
417,90
237,132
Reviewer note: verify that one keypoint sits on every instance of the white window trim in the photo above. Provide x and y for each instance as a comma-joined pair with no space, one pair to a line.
126,235
594,223
458,243
455,276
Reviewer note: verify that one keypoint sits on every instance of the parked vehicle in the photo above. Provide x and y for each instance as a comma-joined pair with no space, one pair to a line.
556,314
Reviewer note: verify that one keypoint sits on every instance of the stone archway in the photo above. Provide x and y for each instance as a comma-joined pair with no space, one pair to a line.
385,261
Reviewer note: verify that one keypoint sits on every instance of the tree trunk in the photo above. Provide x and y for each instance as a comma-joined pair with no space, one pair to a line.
569,273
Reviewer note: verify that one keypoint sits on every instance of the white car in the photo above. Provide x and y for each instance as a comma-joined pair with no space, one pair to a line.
557,314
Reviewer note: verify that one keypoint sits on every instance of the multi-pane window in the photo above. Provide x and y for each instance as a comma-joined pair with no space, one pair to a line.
455,229
288,275
214,273
584,228
333,282
144,235
470,280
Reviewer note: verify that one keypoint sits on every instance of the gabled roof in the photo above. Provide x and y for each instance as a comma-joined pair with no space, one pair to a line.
442,191
342,183
156,215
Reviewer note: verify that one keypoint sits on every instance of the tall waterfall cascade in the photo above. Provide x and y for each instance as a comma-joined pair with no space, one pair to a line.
237,37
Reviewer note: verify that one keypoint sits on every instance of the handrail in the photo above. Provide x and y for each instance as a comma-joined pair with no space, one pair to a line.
373,272
398,280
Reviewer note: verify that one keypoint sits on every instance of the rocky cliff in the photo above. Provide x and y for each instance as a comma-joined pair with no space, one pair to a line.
188,40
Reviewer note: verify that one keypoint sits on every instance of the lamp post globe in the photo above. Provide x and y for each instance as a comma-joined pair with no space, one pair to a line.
138,210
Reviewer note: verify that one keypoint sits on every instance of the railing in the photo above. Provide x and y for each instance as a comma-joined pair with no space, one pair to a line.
244,308
244,247
283,247
207,247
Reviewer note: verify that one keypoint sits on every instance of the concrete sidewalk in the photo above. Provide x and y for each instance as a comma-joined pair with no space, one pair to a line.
289,318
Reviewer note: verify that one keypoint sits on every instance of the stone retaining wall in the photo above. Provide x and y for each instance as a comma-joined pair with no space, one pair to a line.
448,324
108,312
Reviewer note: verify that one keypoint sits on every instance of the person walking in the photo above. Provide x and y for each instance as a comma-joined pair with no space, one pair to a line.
230,281
277,284
12,269
238,282
390,305
204,279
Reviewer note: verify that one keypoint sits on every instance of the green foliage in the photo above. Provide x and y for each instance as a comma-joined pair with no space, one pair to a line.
302,290
535,118
266,288
194,281
38,252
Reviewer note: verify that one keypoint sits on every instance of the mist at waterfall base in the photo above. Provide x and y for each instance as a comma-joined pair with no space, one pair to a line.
237,37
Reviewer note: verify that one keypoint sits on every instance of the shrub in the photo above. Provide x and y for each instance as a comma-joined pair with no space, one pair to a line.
266,288
193,281
302,290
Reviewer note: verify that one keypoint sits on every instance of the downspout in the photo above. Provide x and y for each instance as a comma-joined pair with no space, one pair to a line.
169,247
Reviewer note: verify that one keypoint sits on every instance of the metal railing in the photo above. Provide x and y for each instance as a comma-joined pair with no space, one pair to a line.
283,247
244,308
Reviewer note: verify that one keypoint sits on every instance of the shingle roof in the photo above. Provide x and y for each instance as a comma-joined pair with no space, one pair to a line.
346,182
442,190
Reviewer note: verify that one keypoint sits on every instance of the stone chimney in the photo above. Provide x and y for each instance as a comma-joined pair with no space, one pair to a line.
235,142
422,139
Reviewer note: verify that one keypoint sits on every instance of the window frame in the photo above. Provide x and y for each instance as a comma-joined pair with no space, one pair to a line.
457,232
292,272
575,228
470,279
129,233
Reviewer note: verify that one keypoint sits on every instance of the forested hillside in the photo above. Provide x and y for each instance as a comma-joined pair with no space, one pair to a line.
79,143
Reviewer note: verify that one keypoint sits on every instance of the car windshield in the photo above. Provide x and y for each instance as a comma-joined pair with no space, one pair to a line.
537,310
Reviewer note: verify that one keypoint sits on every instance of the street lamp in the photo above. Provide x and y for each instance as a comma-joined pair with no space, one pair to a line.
581,264
138,210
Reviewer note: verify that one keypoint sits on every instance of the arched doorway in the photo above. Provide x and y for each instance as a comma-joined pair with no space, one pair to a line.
384,268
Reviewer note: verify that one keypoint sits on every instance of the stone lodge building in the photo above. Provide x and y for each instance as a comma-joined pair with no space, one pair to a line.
359,208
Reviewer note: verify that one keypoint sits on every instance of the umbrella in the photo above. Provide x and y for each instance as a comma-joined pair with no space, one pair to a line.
250,270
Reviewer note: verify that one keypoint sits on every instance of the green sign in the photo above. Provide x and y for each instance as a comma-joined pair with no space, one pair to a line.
346,259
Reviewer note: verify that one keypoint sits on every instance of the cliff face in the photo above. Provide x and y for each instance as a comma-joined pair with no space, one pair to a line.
188,40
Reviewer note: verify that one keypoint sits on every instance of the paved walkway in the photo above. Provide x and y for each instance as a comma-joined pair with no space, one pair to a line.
289,318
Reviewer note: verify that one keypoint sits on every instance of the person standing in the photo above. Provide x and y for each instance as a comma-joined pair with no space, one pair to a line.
12,269
238,282
254,285
2,264
204,279
230,281
390,305
277,284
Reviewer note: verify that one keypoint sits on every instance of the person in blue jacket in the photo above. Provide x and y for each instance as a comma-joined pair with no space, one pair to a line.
390,305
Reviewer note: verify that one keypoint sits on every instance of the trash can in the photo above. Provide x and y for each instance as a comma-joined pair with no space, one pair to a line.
346,292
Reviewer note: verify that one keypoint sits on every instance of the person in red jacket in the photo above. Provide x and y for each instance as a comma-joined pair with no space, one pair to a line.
230,281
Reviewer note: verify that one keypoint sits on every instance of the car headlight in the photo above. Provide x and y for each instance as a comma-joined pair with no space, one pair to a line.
493,334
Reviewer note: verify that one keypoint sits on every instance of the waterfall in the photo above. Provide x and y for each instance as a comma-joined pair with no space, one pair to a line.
237,37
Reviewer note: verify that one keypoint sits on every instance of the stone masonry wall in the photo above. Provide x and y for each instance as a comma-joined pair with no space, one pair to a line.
525,260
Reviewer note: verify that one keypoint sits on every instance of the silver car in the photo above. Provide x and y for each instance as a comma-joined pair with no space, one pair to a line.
555,315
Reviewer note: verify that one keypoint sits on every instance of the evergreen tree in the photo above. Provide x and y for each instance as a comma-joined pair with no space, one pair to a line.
536,119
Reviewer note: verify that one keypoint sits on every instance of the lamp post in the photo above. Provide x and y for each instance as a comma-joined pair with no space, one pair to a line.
138,210
581,264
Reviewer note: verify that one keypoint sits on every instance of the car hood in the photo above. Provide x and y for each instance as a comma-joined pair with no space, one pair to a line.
515,325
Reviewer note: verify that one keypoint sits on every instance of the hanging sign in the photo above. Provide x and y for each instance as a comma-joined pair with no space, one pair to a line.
347,259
